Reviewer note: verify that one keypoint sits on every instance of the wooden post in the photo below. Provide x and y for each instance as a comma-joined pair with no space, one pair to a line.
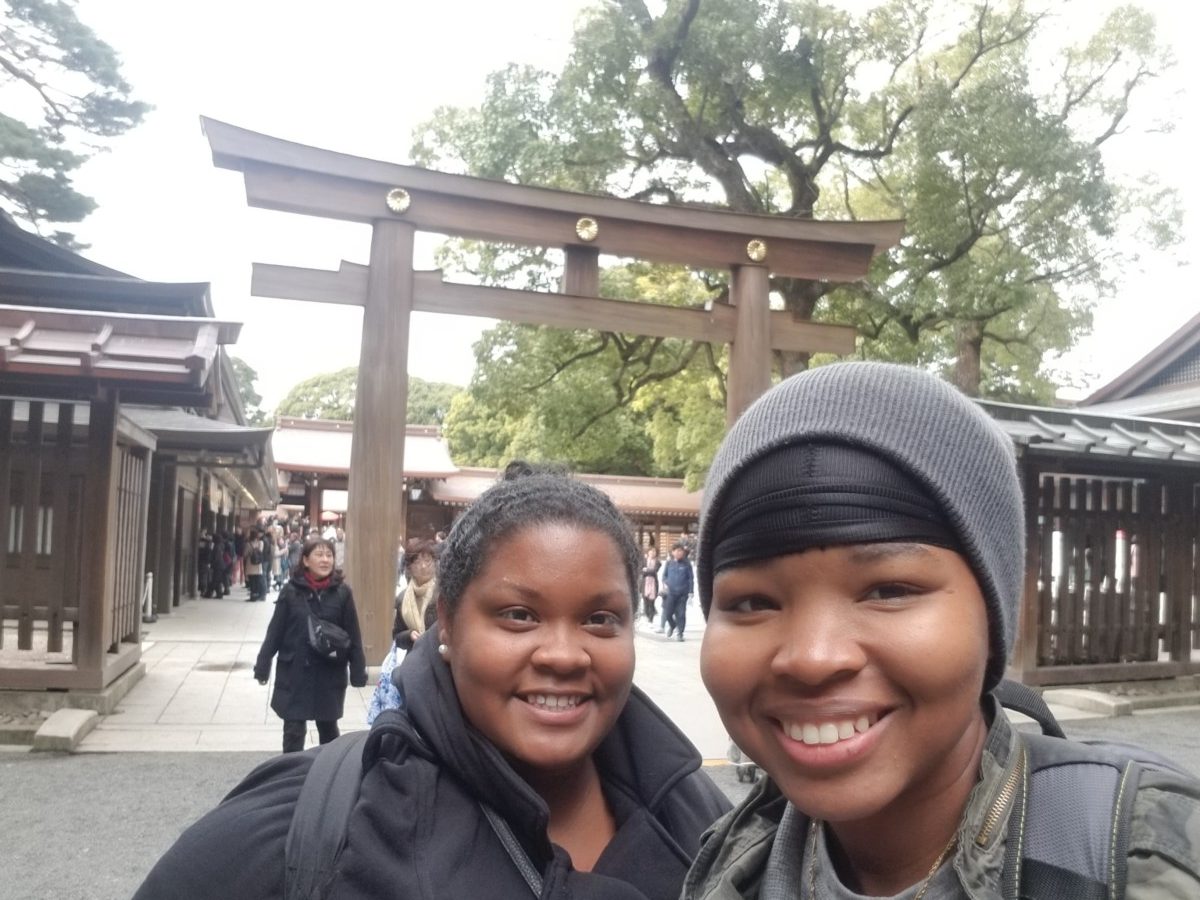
163,564
1178,627
750,351
155,536
376,505
581,277
1023,658
141,525
312,503
96,581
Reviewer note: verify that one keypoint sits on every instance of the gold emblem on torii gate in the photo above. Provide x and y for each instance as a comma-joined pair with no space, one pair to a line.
587,228
398,200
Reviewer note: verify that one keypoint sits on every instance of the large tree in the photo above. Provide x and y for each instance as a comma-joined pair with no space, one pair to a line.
330,395
62,91
247,383
604,402
974,122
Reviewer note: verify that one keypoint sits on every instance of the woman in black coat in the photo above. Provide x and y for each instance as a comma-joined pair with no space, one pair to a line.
521,760
307,686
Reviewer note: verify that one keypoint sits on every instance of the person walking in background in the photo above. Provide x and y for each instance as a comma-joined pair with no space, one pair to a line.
204,566
523,762
650,585
218,585
295,545
416,610
416,613
678,583
309,687
339,549
279,561
252,566
238,572
270,560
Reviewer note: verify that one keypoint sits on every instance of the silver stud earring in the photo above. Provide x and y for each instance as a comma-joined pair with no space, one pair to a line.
443,649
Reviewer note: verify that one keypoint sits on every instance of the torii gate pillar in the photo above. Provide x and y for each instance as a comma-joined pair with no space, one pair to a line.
377,451
750,351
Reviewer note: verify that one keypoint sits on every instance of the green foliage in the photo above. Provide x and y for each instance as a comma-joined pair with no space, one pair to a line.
330,395
981,125
601,401
70,82
429,402
251,398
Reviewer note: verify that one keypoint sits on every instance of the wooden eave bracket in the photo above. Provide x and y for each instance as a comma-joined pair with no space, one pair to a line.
16,343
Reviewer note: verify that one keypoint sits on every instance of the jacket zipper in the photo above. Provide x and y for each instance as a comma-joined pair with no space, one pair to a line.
1003,800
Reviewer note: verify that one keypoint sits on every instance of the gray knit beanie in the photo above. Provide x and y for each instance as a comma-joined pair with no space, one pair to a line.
926,428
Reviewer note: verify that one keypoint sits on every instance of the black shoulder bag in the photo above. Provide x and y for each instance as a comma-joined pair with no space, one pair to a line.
326,640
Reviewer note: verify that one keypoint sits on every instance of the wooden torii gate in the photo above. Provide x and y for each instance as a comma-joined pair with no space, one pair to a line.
399,200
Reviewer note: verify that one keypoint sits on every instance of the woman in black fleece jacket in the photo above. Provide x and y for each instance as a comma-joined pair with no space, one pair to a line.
525,707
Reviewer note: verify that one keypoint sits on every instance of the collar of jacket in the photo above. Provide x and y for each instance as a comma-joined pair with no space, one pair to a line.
297,579
645,755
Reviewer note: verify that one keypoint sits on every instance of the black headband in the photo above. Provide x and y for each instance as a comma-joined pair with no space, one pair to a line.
820,495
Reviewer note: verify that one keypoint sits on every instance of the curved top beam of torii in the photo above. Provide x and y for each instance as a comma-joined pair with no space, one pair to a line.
399,200
298,178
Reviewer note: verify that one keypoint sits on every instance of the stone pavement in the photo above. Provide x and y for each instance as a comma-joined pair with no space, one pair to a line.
199,693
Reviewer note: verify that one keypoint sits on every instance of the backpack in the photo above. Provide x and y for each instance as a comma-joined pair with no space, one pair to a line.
1077,782
321,816
318,831
255,557
1092,783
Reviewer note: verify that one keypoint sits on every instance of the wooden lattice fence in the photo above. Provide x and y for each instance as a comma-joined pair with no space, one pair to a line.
1112,576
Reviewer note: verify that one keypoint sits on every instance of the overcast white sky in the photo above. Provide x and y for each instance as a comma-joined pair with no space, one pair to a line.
357,76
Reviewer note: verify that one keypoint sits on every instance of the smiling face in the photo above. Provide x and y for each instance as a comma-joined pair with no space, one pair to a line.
541,645
852,675
319,561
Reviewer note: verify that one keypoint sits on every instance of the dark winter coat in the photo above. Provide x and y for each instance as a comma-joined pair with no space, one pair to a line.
677,577
306,686
418,830
221,547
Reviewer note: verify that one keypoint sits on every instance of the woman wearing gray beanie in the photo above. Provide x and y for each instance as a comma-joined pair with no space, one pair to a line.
860,565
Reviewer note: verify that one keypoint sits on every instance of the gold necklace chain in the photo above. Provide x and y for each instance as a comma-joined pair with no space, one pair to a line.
814,829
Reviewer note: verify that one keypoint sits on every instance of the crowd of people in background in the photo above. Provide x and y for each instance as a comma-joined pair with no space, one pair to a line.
261,557
673,581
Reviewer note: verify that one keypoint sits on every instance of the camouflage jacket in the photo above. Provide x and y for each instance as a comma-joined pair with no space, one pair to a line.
1164,847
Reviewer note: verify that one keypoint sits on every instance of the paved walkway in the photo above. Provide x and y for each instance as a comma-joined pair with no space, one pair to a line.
199,692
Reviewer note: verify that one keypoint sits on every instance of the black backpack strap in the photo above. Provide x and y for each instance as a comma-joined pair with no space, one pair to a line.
1023,699
322,812
1070,829
513,848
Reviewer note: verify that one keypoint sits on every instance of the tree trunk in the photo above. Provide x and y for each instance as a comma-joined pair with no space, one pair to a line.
800,299
968,345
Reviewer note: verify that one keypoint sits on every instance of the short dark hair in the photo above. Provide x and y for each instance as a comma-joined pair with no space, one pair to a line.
529,495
